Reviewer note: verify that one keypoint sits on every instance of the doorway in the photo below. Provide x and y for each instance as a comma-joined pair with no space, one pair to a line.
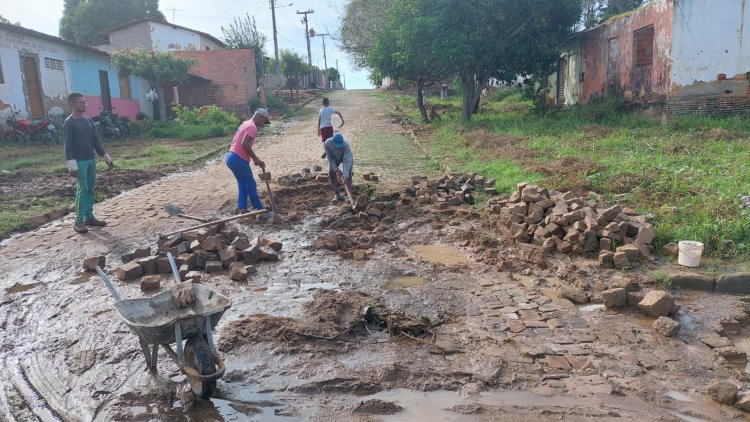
106,97
32,85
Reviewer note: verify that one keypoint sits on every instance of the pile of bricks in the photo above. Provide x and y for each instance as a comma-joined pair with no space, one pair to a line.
375,211
305,176
207,250
451,190
568,223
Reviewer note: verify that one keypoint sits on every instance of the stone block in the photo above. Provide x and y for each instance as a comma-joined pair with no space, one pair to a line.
607,259
631,251
162,265
573,294
237,271
149,264
142,253
666,326
266,253
150,283
731,354
722,391
228,256
657,303
90,264
615,298
129,271
621,260
610,213
646,233
184,269
212,244
214,266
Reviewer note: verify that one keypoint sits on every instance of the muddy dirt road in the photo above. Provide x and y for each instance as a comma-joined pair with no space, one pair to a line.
472,331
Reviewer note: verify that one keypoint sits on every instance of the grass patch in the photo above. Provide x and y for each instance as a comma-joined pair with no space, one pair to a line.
18,208
685,174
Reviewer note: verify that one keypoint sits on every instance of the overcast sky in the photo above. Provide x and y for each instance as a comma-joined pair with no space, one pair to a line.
210,15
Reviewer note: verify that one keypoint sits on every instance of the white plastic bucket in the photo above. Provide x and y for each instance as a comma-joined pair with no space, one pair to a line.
690,253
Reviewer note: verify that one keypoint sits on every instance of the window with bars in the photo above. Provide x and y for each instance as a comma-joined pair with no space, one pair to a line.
53,64
643,46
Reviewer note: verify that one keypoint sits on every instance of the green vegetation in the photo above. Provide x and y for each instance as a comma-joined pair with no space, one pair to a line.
685,175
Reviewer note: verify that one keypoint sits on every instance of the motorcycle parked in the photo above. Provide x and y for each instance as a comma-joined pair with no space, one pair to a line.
21,129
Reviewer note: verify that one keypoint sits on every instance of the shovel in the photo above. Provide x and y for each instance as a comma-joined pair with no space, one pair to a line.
348,193
268,186
173,209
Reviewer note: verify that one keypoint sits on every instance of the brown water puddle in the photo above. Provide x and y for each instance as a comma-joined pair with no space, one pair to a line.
437,254
18,288
402,282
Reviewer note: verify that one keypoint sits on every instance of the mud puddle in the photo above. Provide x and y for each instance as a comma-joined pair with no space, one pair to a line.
19,288
437,254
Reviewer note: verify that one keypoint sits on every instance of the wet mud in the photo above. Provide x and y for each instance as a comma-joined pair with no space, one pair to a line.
418,314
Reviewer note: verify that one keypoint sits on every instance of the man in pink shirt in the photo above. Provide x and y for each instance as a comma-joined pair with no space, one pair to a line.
239,156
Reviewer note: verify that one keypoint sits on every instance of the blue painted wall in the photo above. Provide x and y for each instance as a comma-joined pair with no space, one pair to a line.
84,73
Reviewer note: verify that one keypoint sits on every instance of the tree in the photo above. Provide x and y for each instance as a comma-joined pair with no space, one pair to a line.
479,39
332,74
156,67
294,68
84,22
243,33
3,19
617,7
406,47
359,26
597,11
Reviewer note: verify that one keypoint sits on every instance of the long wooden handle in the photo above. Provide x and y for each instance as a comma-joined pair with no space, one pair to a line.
270,196
223,220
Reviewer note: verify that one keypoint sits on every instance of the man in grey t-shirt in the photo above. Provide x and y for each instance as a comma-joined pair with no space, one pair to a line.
81,141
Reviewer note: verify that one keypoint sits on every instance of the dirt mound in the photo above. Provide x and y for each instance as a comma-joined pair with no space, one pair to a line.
330,315
377,407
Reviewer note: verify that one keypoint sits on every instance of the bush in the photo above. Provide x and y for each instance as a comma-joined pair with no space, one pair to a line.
205,115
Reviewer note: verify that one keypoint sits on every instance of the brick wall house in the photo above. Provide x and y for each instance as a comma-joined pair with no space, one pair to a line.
227,76
678,57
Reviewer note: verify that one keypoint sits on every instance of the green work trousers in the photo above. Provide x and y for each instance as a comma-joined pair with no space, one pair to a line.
85,189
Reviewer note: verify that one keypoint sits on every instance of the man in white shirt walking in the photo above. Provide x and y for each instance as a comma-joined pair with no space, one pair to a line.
325,124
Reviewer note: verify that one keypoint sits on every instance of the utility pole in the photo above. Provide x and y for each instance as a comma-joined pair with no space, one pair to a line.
307,34
276,50
175,10
325,62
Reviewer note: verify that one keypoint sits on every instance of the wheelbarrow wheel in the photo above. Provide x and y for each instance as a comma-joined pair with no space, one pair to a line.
198,355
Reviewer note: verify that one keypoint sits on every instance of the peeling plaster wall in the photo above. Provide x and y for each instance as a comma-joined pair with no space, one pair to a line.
54,81
609,59
710,38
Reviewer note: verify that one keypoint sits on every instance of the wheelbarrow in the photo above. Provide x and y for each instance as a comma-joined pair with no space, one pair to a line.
157,321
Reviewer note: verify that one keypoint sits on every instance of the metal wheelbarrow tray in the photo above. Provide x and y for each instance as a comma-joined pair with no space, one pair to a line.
158,321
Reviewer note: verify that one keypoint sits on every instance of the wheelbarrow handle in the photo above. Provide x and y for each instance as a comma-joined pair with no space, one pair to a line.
174,267
109,284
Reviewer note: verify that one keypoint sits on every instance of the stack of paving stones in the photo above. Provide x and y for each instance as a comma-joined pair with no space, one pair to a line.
545,220
208,250
451,190
305,176
371,177
374,212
